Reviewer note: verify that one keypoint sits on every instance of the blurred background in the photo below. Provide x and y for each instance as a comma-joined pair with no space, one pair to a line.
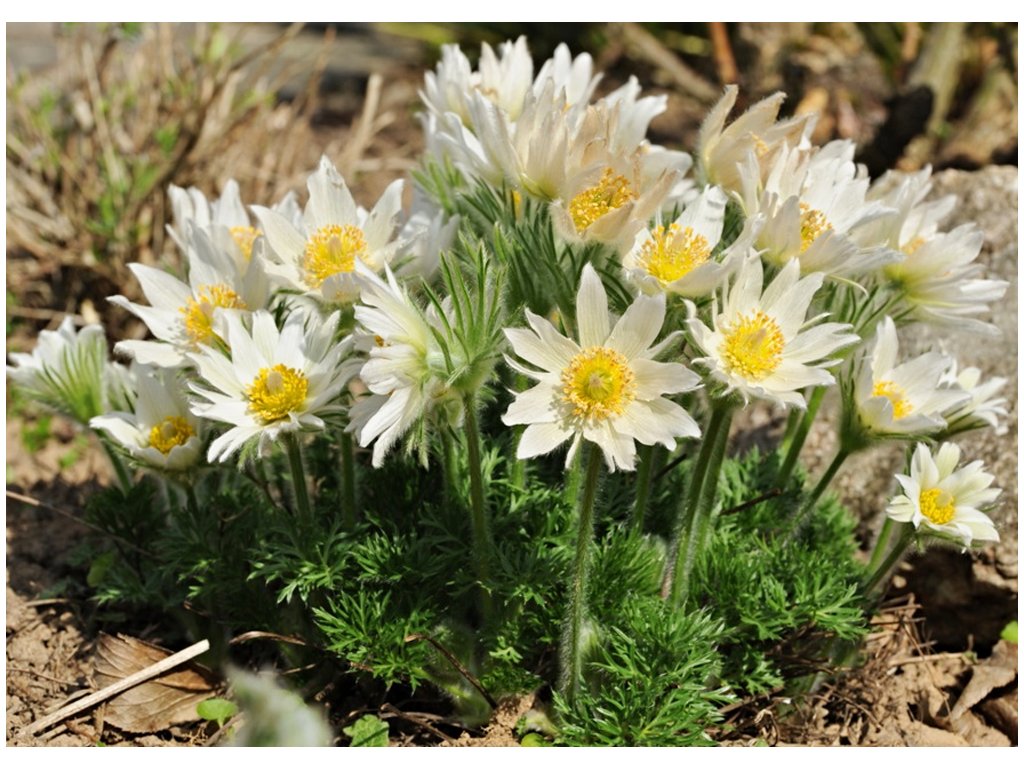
101,118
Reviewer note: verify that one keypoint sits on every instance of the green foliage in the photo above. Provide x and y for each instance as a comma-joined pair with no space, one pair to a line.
652,681
217,711
367,731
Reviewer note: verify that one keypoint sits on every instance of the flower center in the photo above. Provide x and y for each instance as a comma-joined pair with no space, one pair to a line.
611,192
813,225
172,431
598,383
198,313
901,406
332,250
753,346
937,505
672,254
276,392
245,238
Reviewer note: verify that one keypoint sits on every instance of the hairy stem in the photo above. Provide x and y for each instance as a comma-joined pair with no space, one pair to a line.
571,655
693,524
799,437
349,513
804,516
899,549
644,477
124,478
483,546
298,476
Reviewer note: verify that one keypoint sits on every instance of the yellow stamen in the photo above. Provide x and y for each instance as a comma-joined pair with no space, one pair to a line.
760,147
901,406
198,312
672,254
276,392
172,431
610,193
752,347
913,245
245,238
598,383
937,505
332,250
813,225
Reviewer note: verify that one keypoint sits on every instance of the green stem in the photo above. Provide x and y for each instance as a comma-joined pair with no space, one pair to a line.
298,476
895,555
799,436
571,654
124,479
793,420
483,546
880,544
348,482
573,480
644,477
807,510
694,522
517,471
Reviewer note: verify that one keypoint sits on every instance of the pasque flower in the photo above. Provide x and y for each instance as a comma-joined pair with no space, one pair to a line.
943,501
761,343
606,387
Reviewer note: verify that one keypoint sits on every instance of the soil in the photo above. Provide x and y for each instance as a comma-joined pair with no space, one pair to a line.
934,646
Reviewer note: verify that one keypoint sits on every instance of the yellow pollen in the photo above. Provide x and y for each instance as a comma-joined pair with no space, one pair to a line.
901,406
245,238
276,392
672,254
198,312
598,383
610,193
332,250
913,245
813,225
752,347
170,432
760,148
937,505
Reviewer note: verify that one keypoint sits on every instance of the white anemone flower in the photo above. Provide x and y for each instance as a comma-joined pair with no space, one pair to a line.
185,316
318,258
983,408
224,220
940,281
762,345
404,370
813,205
916,219
606,388
160,431
722,150
67,371
274,382
945,502
678,258
902,399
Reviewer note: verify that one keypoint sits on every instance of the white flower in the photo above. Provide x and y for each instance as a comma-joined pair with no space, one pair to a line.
813,206
982,408
943,501
66,371
915,221
404,371
225,220
902,399
762,345
184,316
318,259
678,258
426,233
160,432
274,381
940,280
722,150
607,388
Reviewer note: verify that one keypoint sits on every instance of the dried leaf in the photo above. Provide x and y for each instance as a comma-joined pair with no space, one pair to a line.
157,704
996,671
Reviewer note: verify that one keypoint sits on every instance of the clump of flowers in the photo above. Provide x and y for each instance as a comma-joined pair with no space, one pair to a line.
486,438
